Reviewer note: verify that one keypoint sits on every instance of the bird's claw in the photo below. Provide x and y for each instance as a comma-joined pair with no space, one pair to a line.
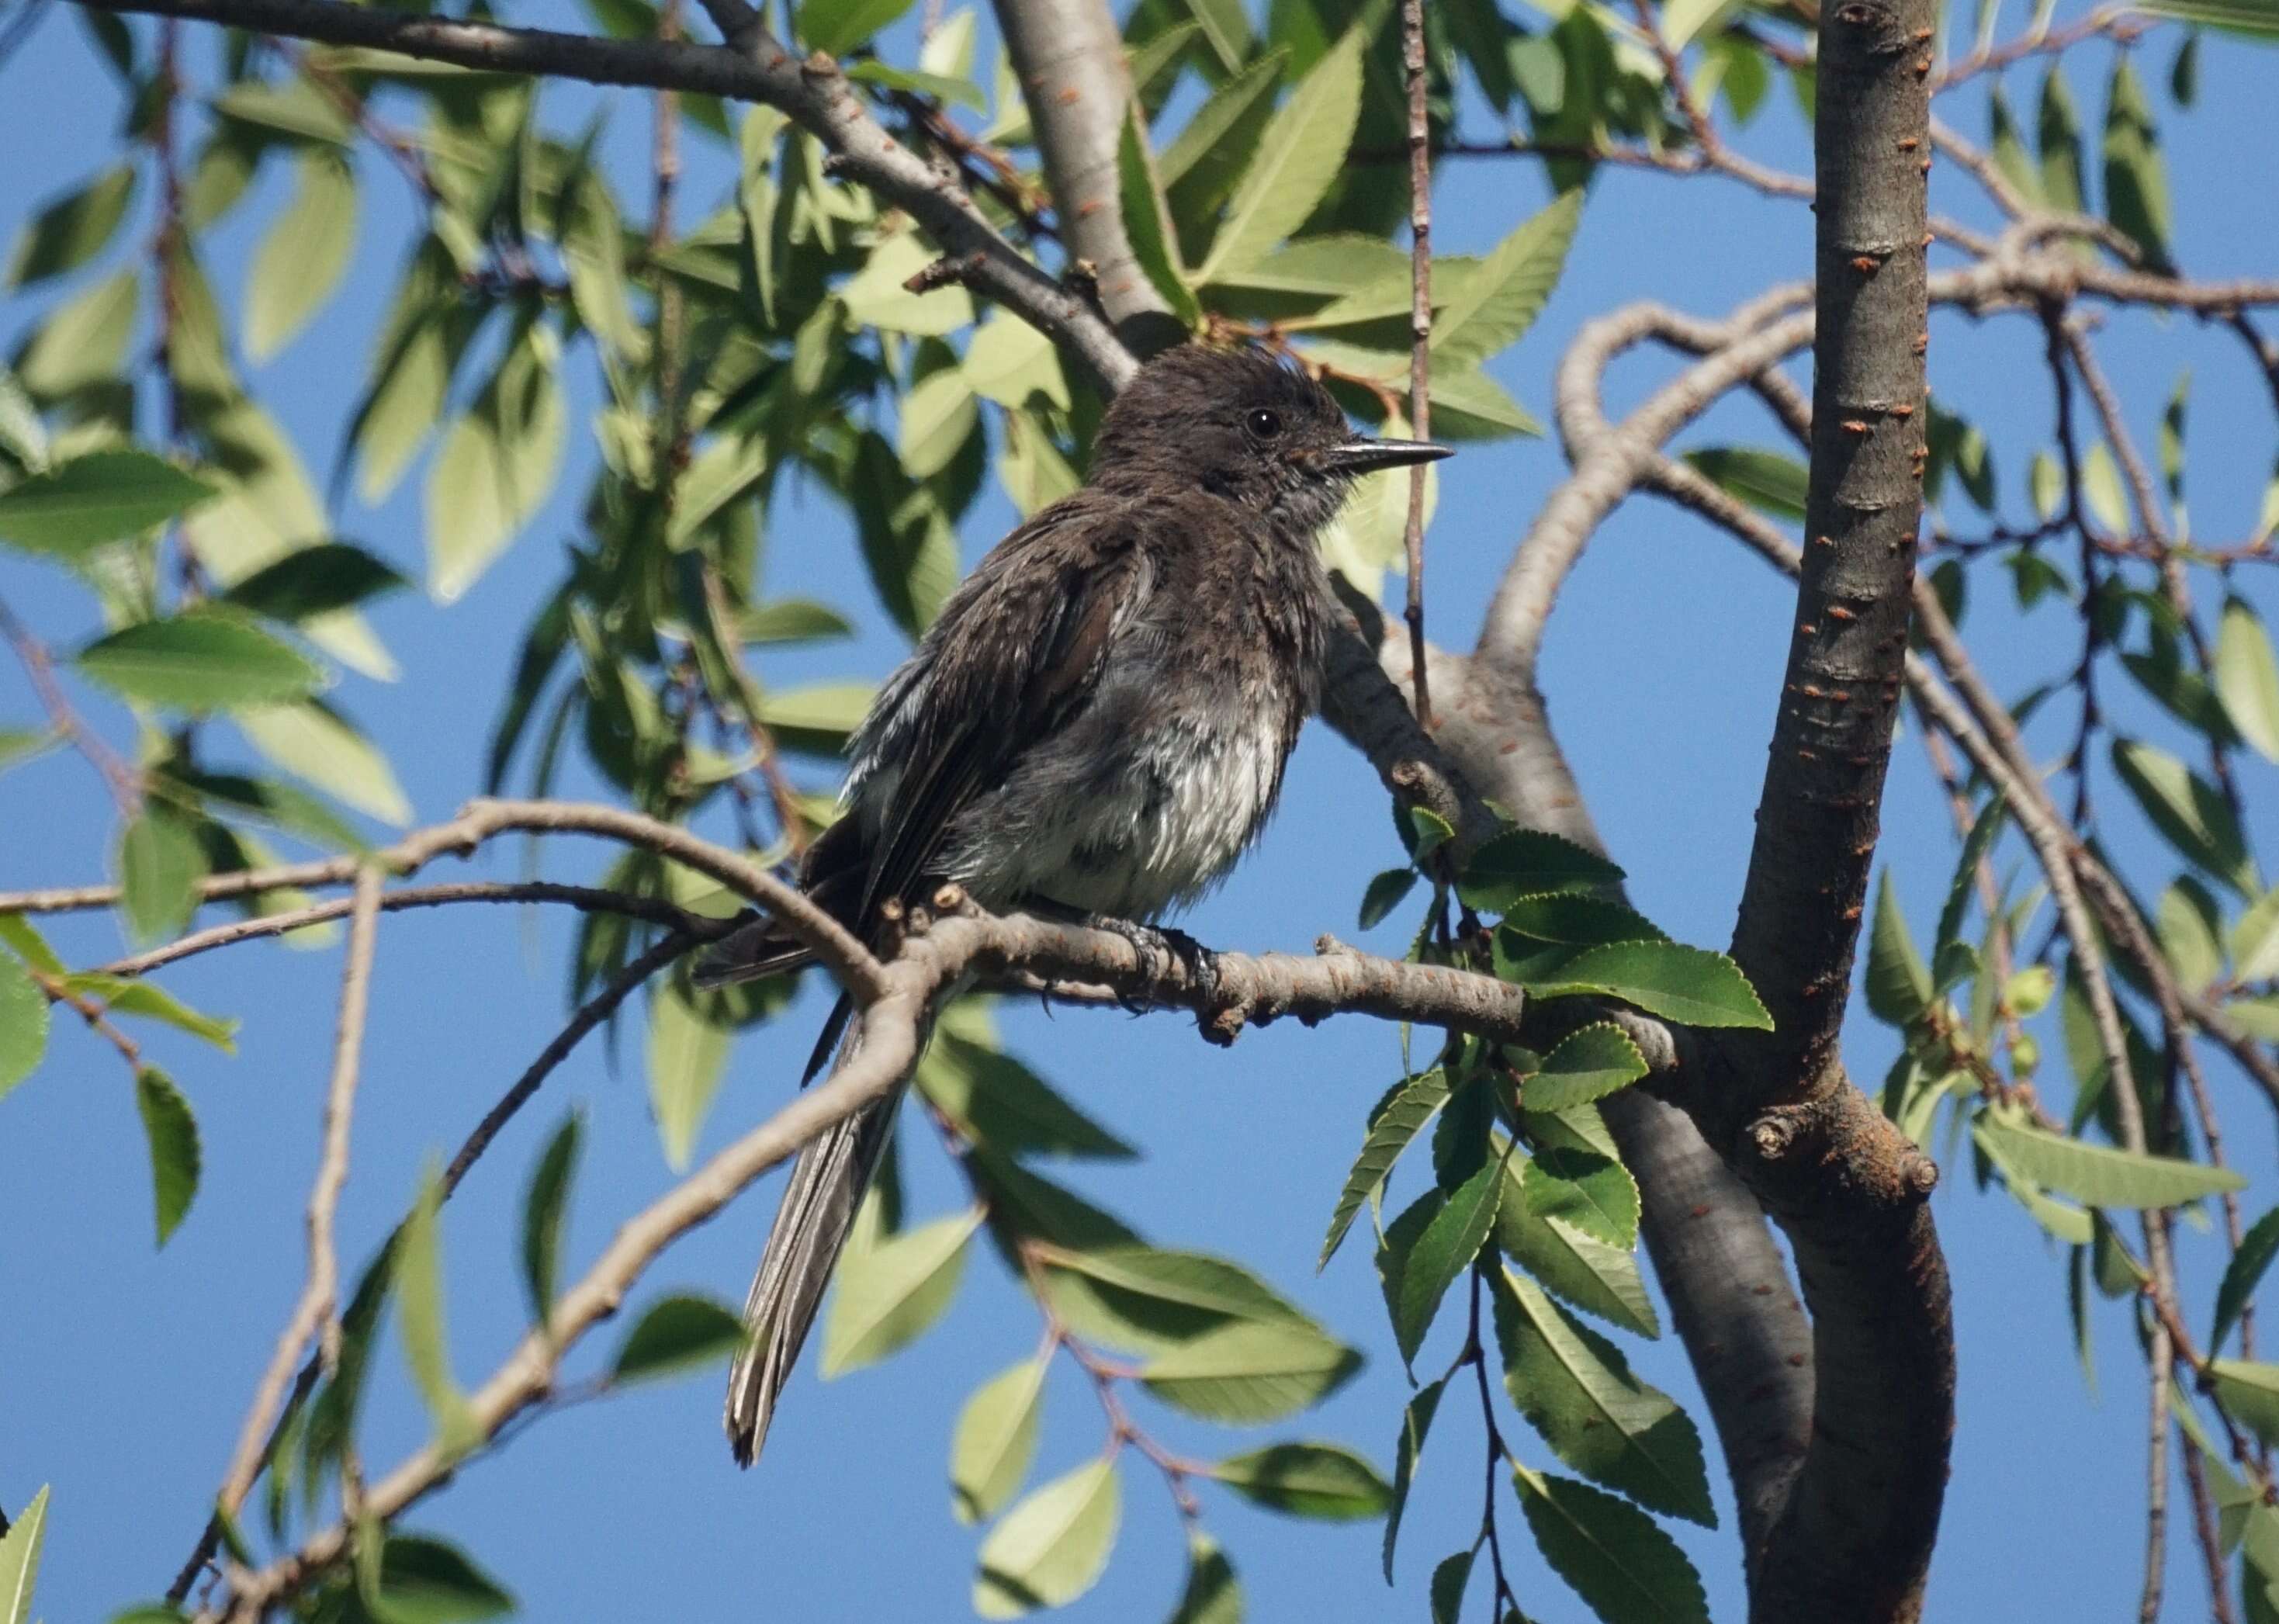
1157,950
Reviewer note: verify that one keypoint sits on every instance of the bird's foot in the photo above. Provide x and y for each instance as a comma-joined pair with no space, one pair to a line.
1159,948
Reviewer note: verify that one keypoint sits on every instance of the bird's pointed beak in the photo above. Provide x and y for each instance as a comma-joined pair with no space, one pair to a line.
1364,456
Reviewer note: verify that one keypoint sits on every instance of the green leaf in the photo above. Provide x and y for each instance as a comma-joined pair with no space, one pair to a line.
2250,1394
172,1133
19,1559
817,718
1299,156
2247,676
996,1100
1009,360
1307,1480
875,297
2059,134
938,415
1052,1547
424,1581
837,27
1250,1371
315,581
1396,1124
1153,1299
2243,1274
1689,985
1575,1389
1500,302
83,341
996,1440
1976,845
792,620
160,863
1415,1422
293,108
72,230
688,1044
678,1333
2102,1177
1616,1557
1443,1252
1573,1264
891,1292
1590,1190
728,468
1447,1588
23,1023
543,1205
2188,811
418,1279
1573,918
95,498
1146,224
1212,1595
2257,20
2136,179
2185,925
1385,893
1585,1065
1468,404
496,467
206,658
317,745
1899,987
1767,481
1205,163
1527,863
303,257
123,995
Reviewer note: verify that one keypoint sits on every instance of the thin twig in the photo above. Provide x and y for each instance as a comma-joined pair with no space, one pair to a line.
317,1312
124,782
1420,333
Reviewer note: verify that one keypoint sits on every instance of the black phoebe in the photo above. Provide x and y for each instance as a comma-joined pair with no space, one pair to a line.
1096,725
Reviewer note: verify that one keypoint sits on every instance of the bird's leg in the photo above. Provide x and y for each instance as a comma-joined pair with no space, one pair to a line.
1153,945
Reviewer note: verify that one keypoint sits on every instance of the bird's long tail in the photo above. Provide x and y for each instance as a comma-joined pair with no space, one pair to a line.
827,1185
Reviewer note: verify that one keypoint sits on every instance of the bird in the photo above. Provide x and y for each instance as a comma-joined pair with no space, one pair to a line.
1094,727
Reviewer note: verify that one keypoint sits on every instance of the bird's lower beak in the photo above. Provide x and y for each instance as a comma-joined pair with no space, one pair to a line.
1360,457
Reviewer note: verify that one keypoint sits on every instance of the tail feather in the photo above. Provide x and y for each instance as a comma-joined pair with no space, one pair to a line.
827,1185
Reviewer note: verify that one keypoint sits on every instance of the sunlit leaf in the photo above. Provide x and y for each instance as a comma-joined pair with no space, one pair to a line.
1500,302
1249,1372
72,230
996,1440
1299,157
2247,676
1585,1065
308,248
1052,1547
676,1334
2102,1177
23,1023
98,497
1395,1126
1616,1557
890,1293
1307,1479
206,658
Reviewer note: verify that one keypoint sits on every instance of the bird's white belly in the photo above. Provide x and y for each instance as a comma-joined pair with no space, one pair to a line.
1154,835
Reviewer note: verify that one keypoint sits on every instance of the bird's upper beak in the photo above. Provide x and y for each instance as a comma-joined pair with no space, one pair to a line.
1364,455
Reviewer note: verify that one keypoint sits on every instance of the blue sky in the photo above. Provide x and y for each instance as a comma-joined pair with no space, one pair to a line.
125,1371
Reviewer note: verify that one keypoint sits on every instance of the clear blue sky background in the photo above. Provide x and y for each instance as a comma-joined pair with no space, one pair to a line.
124,1373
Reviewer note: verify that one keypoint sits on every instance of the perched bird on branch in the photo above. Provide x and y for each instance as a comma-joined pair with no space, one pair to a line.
1095,728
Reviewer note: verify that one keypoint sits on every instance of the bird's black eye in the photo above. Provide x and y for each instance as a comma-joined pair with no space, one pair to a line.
1262,423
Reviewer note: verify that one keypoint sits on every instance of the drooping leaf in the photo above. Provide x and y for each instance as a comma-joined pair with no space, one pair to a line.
2105,1177
1205,162
677,1333
1397,1124
875,297
1250,1371
543,1205
996,1440
1573,1264
418,1279
1768,481
2255,20
1307,1480
1052,1547
2247,676
316,744
1577,1390
2250,1394
1585,1065
1385,893
995,1099
1899,986
72,230
1444,1251
836,26
172,1133
1527,863
206,658
96,497
688,1044
1146,225
315,581
1212,1594
1299,157
1588,1190
2136,178
1615,1556
302,259
1576,919
2188,811
2257,1247
1500,301
160,863
891,1292
1690,984
1415,1422
423,1579
23,1023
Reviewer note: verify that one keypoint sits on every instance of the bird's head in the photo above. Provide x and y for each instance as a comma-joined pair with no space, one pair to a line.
1236,424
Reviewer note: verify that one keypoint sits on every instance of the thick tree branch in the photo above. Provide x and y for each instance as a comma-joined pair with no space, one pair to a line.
1068,57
